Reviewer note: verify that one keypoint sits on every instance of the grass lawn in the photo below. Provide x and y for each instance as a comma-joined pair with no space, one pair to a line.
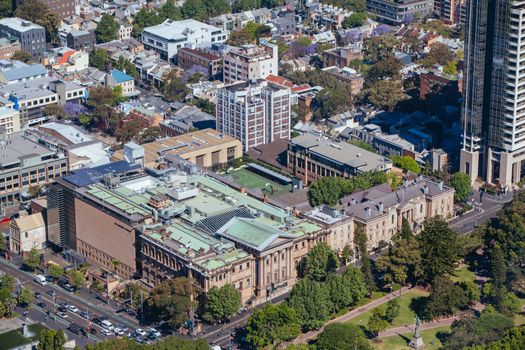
463,274
251,180
406,316
400,342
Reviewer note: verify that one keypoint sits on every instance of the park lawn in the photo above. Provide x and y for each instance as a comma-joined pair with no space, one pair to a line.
251,180
406,316
400,342
463,275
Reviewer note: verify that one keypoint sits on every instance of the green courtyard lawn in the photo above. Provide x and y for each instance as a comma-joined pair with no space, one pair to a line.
400,342
251,180
463,275
406,316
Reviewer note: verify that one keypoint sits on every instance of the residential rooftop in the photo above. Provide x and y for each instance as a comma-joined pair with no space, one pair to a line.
19,24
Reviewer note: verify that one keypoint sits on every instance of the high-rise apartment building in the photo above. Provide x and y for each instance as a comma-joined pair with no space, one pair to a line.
451,11
493,112
250,62
254,112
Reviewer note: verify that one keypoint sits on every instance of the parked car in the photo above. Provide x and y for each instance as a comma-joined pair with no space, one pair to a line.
68,287
41,304
123,327
141,332
52,292
118,331
37,295
154,332
74,328
62,314
85,315
106,332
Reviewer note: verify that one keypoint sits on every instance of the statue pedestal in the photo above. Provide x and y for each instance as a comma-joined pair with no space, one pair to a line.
417,342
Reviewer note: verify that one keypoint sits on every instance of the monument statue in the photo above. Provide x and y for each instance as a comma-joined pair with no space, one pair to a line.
417,340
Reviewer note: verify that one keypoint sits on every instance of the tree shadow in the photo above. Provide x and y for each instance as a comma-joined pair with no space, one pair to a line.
443,337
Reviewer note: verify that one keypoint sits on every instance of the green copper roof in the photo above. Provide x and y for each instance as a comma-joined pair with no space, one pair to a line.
222,260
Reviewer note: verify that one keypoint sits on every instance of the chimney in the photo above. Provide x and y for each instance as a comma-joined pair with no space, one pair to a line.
440,185
381,207
425,189
368,211
243,189
265,199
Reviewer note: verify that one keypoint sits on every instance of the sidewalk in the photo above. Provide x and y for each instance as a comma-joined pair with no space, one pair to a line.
410,328
303,338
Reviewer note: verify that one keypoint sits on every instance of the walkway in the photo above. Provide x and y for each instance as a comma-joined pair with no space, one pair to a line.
410,328
303,338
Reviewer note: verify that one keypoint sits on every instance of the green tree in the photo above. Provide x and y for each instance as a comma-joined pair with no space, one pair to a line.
240,37
445,298
385,94
439,54
55,271
107,29
174,88
3,242
99,58
439,246
356,19
380,47
32,260
342,336
472,290
366,266
6,8
511,304
125,65
272,325
22,56
151,134
311,300
170,11
347,254
25,297
38,12
170,301
54,110
51,339
76,278
376,322
406,163
451,67
223,303
462,186
319,262
392,310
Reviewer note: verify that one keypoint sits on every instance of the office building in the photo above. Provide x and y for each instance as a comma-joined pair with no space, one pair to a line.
63,8
9,119
493,109
311,157
32,37
31,97
204,148
254,113
170,36
398,12
250,62
25,163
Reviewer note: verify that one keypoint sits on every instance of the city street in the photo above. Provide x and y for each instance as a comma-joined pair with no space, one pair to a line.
92,306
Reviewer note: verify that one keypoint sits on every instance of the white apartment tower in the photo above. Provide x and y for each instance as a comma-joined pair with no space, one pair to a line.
250,62
254,112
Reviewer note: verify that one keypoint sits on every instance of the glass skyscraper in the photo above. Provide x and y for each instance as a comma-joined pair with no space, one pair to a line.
493,111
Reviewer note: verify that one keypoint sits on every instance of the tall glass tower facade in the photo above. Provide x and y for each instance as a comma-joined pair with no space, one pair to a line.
493,111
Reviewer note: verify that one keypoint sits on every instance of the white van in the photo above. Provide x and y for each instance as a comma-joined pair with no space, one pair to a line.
41,279
106,325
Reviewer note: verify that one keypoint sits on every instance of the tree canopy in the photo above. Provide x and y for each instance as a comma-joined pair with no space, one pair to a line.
39,13
462,186
406,163
342,336
223,303
318,263
170,301
272,325
107,29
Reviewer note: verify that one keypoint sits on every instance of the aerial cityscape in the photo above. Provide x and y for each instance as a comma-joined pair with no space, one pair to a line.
262,174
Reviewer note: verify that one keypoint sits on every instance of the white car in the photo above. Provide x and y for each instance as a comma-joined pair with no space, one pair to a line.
105,332
72,308
62,314
118,331
154,332
141,332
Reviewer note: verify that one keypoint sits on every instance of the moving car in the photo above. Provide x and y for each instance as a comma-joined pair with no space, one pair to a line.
72,308
154,332
141,332
37,295
85,315
62,314
106,332
52,292
41,279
